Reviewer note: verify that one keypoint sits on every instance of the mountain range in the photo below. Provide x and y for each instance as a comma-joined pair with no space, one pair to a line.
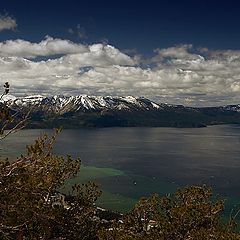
96,111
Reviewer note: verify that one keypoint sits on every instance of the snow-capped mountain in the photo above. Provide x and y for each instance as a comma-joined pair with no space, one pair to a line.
109,111
64,104
235,108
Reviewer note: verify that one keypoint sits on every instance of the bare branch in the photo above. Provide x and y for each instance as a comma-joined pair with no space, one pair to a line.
10,119
20,125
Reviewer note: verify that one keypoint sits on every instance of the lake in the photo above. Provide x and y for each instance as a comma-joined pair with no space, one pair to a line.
132,162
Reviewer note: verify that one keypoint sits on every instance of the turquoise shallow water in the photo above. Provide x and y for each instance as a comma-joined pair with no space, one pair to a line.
131,162
130,187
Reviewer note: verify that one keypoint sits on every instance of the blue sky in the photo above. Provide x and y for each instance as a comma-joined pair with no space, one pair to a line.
172,51
141,25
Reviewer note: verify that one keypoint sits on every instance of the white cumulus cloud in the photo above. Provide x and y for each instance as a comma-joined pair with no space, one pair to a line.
46,47
179,75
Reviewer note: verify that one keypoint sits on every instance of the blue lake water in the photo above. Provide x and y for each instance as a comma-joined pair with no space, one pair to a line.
149,160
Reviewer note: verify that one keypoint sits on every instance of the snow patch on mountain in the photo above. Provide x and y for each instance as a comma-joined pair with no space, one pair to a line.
235,108
7,98
155,105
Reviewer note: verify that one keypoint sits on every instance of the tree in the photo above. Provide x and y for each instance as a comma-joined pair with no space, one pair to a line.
189,214
31,204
